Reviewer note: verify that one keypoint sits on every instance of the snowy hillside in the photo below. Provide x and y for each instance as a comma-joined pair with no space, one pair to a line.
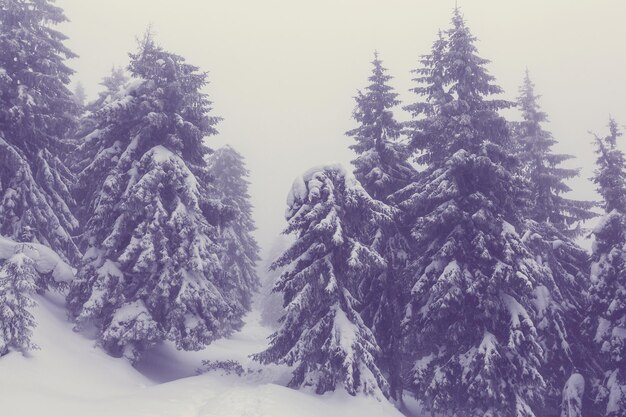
69,377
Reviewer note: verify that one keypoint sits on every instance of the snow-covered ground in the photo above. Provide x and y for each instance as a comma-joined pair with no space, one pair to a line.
69,377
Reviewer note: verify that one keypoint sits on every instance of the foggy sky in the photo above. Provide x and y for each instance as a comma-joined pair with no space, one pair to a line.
284,72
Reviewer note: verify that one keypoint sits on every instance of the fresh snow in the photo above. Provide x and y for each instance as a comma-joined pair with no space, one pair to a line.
542,299
573,396
46,260
617,394
303,187
70,377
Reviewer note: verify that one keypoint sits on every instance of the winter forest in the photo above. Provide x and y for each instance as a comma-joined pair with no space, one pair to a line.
451,268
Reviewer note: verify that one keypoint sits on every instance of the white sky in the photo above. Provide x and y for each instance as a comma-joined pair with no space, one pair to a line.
284,72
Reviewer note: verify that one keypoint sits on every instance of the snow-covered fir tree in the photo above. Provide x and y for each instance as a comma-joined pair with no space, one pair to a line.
111,83
471,323
560,303
239,250
151,267
322,332
18,278
542,167
36,112
87,151
607,316
381,167
430,86
552,222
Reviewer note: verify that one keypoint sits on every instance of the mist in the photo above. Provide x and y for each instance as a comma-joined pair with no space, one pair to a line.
284,73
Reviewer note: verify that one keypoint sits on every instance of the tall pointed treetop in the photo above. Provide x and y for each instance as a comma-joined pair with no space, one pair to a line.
541,166
380,165
609,175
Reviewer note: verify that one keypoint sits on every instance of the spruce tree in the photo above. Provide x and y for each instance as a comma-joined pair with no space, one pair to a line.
432,91
150,271
88,152
239,250
382,169
111,83
17,284
36,112
380,165
542,168
471,321
322,332
552,222
607,316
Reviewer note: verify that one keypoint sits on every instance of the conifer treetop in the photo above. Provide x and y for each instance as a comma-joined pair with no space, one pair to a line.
609,175
37,108
541,166
380,165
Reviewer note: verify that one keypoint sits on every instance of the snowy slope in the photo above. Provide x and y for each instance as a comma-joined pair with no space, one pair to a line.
69,377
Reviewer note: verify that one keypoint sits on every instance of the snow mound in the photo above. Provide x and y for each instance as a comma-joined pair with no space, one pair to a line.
307,186
46,260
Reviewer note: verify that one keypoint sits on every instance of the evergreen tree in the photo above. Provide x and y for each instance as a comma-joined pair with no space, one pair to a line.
80,97
381,168
553,222
432,91
36,111
472,319
111,84
607,316
380,165
17,283
560,306
88,152
542,168
151,267
240,251
322,332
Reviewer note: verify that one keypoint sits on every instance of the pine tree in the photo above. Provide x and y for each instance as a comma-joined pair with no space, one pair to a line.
382,169
36,111
240,251
552,222
607,316
322,332
17,283
151,263
471,322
